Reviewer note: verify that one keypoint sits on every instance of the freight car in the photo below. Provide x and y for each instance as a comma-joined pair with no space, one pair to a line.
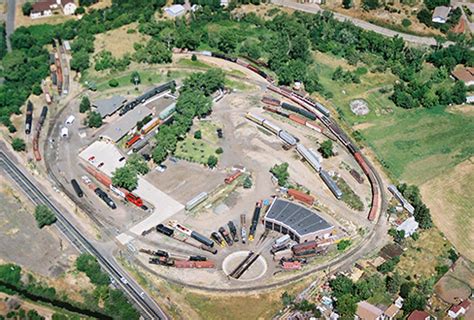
132,140
161,228
243,230
226,236
298,110
42,118
331,184
255,219
271,101
147,95
217,239
309,157
77,188
29,117
287,138
301,196
204,240
194,264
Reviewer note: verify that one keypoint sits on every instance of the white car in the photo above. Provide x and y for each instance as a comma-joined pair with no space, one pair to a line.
124,281
70,119
160,169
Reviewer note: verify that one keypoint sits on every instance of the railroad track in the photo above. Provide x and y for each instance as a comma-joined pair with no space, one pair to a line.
147,306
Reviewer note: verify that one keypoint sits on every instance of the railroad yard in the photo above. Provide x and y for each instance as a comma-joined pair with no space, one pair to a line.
183,194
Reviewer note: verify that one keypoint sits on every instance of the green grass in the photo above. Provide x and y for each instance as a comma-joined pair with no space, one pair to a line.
199,150
238,85
349,196
147,78
417,145
193,64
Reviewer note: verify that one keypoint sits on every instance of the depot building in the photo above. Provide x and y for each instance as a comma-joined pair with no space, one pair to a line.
299,222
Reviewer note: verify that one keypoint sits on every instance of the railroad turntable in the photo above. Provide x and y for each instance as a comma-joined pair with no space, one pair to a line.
245,266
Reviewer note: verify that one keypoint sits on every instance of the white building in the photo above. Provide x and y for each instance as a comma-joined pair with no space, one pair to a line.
175,10
409,226
69,7
440,14
45,8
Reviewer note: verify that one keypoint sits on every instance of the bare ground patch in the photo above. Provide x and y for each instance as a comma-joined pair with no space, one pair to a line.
450,200
119,41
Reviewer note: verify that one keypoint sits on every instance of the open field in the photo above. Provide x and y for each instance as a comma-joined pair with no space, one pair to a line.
450,197
456,283
119,41
199,150
423,255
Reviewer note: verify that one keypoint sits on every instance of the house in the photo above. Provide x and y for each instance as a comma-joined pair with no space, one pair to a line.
45,8
419,315
440,14
393,309
409,226
367,311
175,10
465,75
69,7
459,309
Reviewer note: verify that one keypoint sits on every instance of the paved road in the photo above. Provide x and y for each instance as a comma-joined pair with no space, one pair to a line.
10,23
314,8
149,309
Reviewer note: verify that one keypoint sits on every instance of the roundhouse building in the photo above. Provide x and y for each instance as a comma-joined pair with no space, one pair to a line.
301,223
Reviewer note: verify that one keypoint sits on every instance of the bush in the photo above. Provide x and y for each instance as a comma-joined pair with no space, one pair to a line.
18,144
85,105
26,8
193,57
219,150
247,183
88,264
212,161
281,173
326,149
113,83
198,134
44,216
79,11
343,245
406,23
94,119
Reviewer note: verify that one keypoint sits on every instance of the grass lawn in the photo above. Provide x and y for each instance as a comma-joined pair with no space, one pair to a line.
199,150
423,255
192,64
237,85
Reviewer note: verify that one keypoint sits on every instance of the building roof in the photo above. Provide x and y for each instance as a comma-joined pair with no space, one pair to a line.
441,12
465,304
409,225
175,10
108,106
42,5
392,311
367,311
418,315
65,2
125,123
296,217
464,74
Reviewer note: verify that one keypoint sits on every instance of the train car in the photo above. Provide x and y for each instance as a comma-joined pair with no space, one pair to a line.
322,109
356,176
298,110
287,138
132,140
233,231
105,197
242,63
161,228
226,236
282,254
243,231
255,219
206,53
301,196
204,240
271,126
255,118
44,113
140,144
182,264
217,239
331,184
271,101
309,157
77,188
152,124
232,177
29,117
147,95
309,245
197,258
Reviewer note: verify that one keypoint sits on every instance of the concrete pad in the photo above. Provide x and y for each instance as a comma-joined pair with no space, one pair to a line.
165,206
124,238
105,152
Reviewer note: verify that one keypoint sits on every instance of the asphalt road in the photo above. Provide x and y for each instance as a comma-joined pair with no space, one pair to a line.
10,23
149,309
314,8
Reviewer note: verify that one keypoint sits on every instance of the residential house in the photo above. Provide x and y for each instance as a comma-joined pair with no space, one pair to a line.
45,8
459,309
440,14
175,10
419,315
68,6
393,309
465,74
409,226
367,311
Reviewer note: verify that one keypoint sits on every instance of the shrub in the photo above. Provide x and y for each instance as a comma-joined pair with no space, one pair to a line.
18,144
197,135
113,83
343,245
85,105
219,150
247,183
406,23
193,57
212,161
44,216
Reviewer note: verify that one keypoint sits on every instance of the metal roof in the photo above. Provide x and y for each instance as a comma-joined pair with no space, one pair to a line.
441,12
119,128
296,217
175,10
106,107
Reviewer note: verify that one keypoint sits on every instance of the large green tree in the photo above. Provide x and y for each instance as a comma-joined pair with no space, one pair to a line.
44,216
281,173
125,177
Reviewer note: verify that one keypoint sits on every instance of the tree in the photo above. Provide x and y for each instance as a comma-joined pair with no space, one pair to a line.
347,4
287,298
219,150
346,305
414,301
79,11
406,23
113,83
281,173
26,8
389,265
458,92
125,177
406,288
94,119
326,149
341,285
370,4
198,134
393,283
80,60
212,161
452,255
247,183
18,144
343,245
88,264
135,78
44,216
85,105
136,162
423,217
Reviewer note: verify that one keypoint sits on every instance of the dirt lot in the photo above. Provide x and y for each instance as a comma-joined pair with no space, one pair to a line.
41,251
458,283
452,206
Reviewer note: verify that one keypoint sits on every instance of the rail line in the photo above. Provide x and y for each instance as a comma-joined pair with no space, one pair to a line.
79,241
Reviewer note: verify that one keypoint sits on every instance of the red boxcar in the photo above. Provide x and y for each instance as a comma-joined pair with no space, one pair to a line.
296,265
194,264
271,101
301,196
102,178
305,246
232,177
297,119
134,139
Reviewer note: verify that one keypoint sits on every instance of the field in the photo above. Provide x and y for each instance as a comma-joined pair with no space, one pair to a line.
456,283
450,197
119,41
199,150
422,256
